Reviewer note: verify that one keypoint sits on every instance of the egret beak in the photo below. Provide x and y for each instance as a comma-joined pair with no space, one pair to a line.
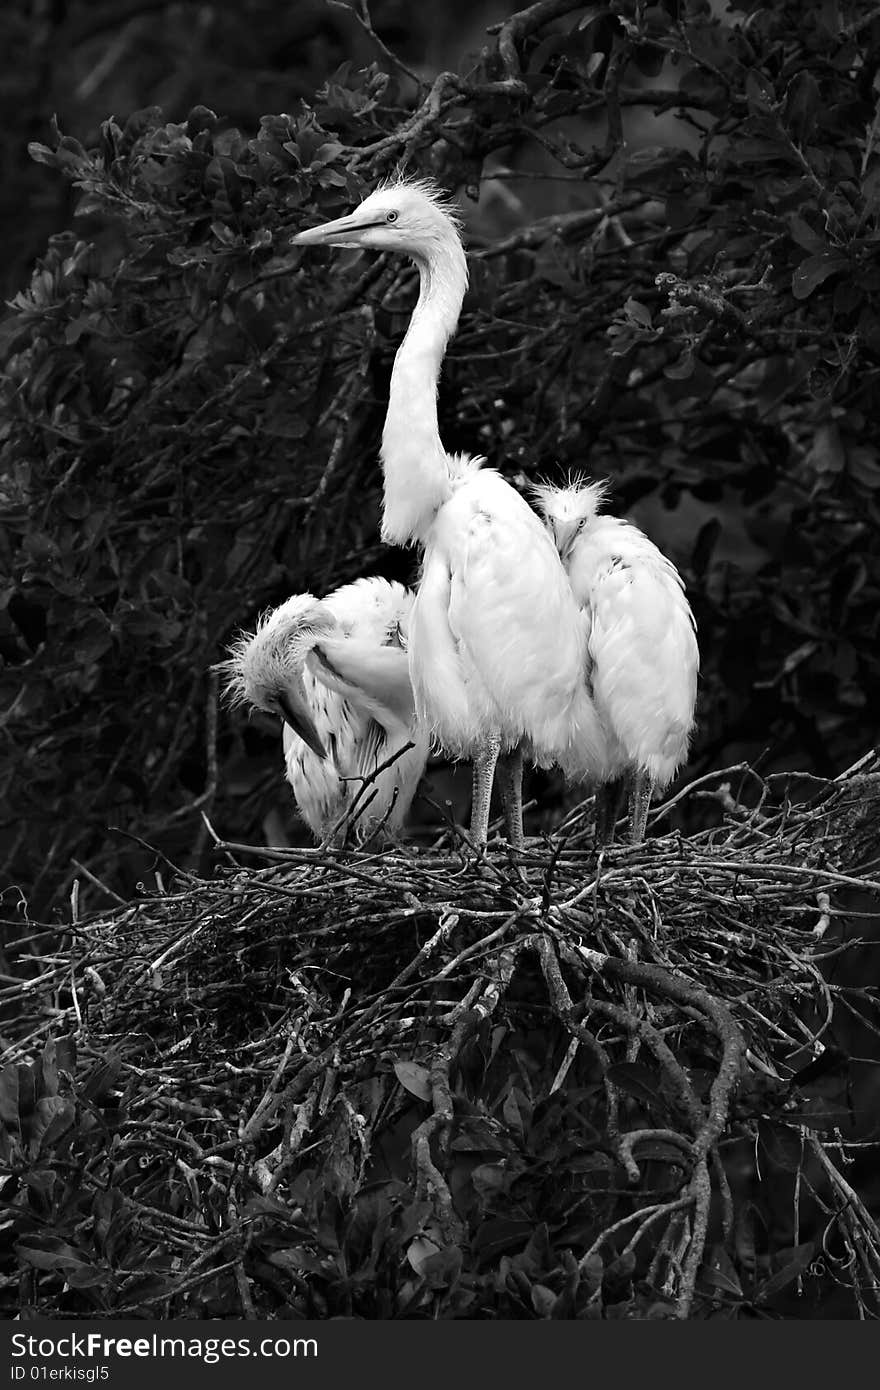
344,231
296,713
564,533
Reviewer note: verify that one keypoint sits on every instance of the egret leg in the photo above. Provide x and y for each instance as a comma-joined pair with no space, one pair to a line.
641,790
510,772
484,772
609,805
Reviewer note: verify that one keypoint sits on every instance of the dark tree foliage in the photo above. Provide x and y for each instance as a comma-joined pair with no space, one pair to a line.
191,412
86,58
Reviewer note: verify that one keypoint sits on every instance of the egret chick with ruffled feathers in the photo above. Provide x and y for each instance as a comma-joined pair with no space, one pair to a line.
642,646
337,673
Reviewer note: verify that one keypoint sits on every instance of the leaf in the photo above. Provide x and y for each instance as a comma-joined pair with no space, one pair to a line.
537,1257
783,1146
543,1300
200,118
592,1273
50,1252
413,1218
804,235
516,1110
826,453
52,1117
656,165
9,1098
87,1276
638,312
802,105
551,47
489,1179
102,1078
863,466
232,183
871,185
414,1078
420,1250
27,1094
107,1208
225,235
683,368
138,124
618,1276
42,154
815,270
744,1237
499,1234
41,1182
297,1260
802,1257
590,1163
271,1207
759,93
719,1272
649,58
714,1280
755,151
478,1135
441,1269
326,153
636,1080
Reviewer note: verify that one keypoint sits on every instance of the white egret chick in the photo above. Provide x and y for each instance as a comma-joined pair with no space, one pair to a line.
336,671
643,654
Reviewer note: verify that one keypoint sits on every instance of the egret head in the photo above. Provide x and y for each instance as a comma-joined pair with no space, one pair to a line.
410,216
568,511
265,668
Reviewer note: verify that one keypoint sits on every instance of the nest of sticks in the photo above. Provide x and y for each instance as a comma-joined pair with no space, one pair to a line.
414,1084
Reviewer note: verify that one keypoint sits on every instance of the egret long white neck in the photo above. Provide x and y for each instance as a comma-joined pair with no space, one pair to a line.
414,461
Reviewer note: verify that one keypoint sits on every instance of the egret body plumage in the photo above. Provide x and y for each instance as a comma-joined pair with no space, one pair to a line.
497,643
336,671
642,645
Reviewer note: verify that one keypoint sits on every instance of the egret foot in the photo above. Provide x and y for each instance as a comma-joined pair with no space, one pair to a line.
610,798
484,773
510,772
641,789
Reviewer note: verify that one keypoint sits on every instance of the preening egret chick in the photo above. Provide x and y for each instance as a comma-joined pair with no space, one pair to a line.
497,646
642,646
336,671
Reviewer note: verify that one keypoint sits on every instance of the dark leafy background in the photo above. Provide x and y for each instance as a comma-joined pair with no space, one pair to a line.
672,215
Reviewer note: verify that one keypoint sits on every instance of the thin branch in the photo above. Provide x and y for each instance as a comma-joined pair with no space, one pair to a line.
519,26
362,16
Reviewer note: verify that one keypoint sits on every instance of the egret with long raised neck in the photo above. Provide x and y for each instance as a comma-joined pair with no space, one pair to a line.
642,644
497,643
336,671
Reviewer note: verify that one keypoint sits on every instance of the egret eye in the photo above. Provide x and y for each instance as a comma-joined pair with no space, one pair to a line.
391,216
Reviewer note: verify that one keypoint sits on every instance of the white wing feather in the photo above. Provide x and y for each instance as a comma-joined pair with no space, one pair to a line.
644,658
497,642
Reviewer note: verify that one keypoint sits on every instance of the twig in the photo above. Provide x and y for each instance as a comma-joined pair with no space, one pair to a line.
361,15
